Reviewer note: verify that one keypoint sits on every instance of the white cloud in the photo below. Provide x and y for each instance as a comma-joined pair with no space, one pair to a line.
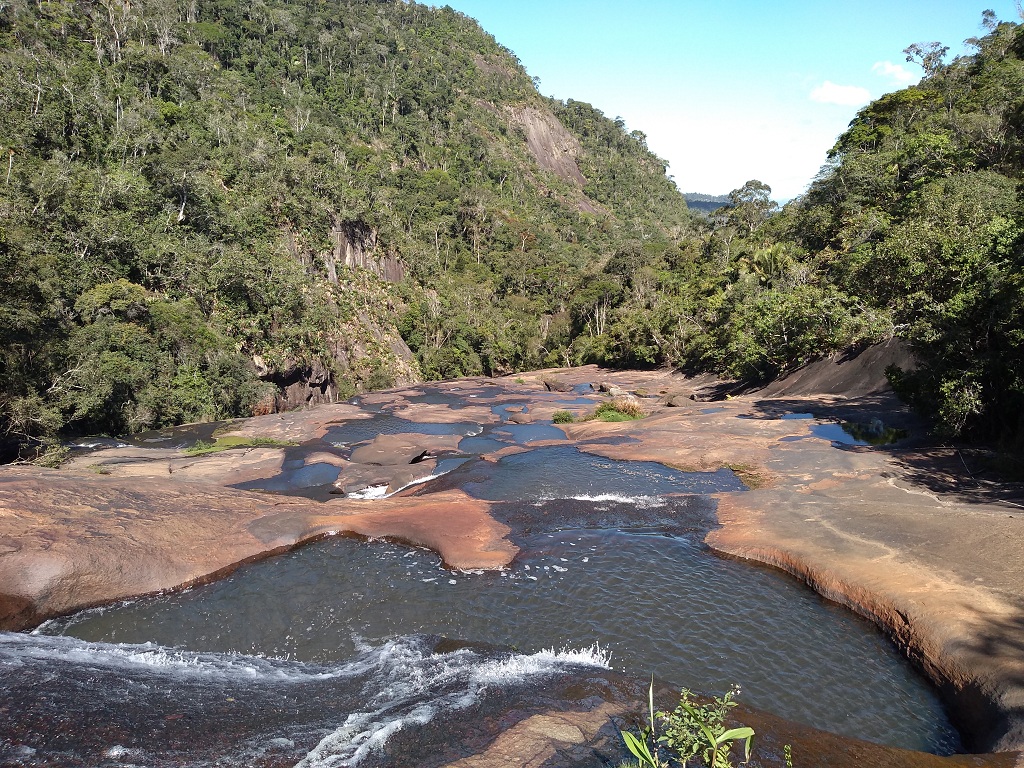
715,151
894,73
845,95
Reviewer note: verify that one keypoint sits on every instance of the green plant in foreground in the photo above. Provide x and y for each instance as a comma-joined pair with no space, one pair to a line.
563,417
638,746
693,728
690,731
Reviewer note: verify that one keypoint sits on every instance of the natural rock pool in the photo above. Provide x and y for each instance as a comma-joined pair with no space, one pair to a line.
656,602
319,656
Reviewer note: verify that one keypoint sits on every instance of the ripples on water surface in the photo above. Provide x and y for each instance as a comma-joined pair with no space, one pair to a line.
658,603
559,472
319,655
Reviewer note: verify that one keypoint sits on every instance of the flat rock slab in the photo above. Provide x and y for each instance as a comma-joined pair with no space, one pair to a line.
389,450
429,413
237,465
71,542
296,426
542,740
908,563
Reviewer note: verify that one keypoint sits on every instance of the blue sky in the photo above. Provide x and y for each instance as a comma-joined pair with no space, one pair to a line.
732,90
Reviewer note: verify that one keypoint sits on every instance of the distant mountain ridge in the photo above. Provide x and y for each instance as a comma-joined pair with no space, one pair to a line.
698,201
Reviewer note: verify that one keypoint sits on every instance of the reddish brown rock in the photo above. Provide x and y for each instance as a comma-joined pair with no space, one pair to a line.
424,413
902,536
538,740
296,426
910,566
85,541
388,450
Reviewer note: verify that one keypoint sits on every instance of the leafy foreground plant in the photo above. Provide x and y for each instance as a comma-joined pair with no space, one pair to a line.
692,730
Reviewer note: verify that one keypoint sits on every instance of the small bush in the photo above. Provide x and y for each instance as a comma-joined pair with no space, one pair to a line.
379,379
692,731
563,417
51,454
619,409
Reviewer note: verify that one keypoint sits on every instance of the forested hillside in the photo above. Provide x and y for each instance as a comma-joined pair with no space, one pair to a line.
205,202
919,213
212,208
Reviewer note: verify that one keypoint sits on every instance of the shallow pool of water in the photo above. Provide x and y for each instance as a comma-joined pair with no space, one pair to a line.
659,603
563,472
611,554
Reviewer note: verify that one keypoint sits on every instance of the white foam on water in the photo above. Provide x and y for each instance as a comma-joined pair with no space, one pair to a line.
118,752
519,667
373,492
381,491
17,649
410,676
642,502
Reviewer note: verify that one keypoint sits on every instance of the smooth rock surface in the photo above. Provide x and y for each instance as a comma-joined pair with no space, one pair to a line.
904,534
84,541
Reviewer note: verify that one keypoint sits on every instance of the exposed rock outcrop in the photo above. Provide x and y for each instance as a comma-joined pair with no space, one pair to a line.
355,245
554,148
902,534
69,542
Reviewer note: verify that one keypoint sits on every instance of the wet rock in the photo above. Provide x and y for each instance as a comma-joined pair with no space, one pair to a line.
92,540
940,569
520,418
412,474
423,456
551,740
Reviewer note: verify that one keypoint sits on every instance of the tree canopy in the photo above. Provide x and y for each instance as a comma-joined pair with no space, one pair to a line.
205,201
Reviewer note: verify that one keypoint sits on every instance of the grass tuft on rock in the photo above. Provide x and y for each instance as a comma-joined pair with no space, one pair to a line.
619,409
203,448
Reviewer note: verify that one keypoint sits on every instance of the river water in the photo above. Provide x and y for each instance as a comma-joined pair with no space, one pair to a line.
321,656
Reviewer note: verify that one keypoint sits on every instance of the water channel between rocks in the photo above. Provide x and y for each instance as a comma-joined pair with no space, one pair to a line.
612,555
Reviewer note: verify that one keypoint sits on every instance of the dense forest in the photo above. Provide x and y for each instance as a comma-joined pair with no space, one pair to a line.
214,208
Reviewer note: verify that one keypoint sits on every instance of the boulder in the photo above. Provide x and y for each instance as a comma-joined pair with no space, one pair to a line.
390,450
678,399
554,384
611,389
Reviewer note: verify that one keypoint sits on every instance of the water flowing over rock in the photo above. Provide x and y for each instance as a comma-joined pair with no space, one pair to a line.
890,531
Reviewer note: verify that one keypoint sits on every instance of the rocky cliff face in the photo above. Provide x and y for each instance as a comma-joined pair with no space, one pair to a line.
361,353
368,356
554,148
355,245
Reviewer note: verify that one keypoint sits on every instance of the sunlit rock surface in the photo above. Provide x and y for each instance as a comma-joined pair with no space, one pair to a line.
901,533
